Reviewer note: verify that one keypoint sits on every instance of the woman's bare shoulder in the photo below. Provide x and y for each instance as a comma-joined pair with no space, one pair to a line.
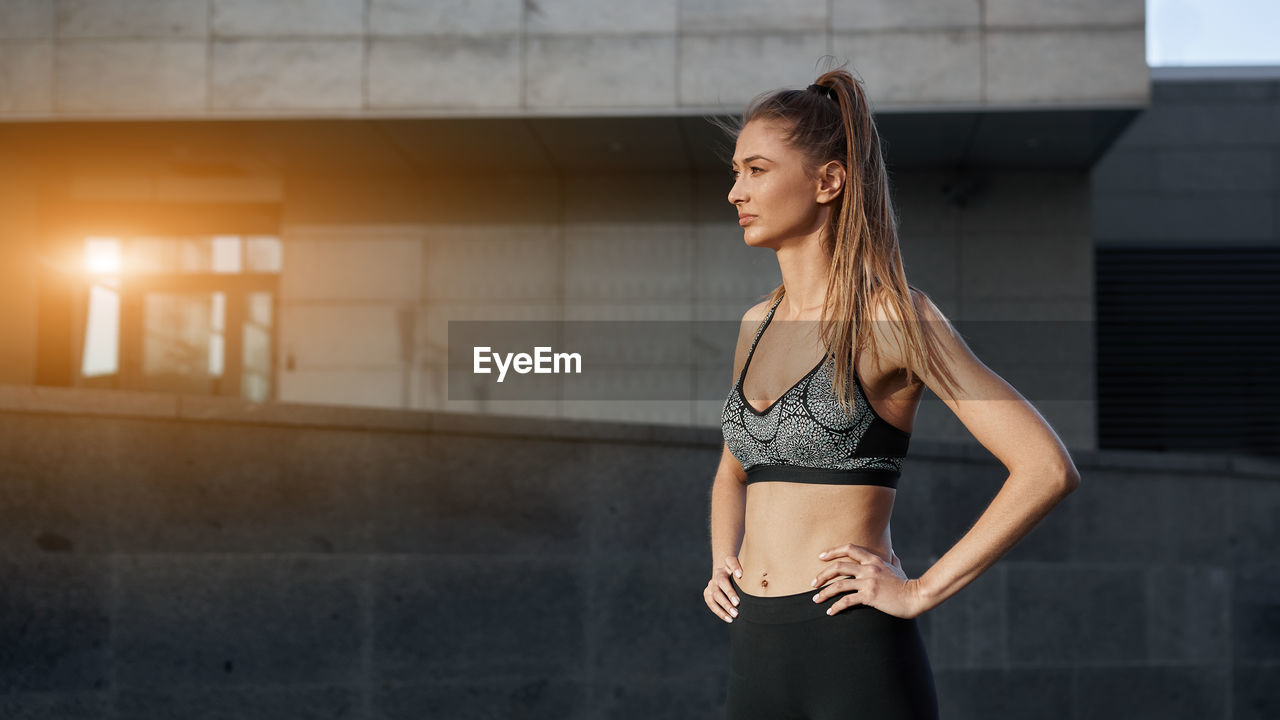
889,321
756,313
890,327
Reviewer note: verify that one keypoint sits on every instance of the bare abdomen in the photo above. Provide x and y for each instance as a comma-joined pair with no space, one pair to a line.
788,524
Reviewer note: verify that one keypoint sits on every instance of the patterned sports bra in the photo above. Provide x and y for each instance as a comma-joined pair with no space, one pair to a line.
805,437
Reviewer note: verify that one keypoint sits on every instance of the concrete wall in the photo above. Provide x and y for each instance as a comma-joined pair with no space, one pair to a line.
365,307
166,556
376,265
18,271
224,58
1186,212
1201,166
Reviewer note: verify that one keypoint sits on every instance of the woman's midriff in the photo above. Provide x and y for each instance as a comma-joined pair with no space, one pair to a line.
787,524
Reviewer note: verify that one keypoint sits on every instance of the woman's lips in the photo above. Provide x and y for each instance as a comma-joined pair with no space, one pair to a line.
744,219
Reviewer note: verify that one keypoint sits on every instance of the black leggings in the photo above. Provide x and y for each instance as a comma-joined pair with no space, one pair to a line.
789,660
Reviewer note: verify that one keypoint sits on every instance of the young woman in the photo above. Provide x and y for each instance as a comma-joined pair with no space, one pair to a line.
821,612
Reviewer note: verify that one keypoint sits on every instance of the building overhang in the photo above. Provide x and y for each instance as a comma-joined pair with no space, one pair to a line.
1053,139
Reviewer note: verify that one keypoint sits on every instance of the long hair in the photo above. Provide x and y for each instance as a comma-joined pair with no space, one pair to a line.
862,238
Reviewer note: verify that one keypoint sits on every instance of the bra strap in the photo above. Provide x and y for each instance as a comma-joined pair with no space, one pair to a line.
756,340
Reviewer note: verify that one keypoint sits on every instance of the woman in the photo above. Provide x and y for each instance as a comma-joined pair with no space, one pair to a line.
805,488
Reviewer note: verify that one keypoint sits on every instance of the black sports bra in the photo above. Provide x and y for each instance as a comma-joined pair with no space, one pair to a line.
805,437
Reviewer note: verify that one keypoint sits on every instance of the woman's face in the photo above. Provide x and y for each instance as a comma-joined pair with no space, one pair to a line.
776,201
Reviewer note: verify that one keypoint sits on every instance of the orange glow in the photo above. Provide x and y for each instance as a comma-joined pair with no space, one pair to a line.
102,255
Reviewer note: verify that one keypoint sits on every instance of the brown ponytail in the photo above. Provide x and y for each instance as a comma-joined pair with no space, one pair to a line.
862,238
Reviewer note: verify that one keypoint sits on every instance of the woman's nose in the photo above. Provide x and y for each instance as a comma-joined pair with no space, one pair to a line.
735,196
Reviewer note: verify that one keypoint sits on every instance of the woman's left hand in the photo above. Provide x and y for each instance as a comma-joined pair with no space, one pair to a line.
880,584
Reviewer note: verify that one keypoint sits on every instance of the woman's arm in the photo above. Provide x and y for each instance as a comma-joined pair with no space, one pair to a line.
729,491
728,507
1041,472
729,499
728,511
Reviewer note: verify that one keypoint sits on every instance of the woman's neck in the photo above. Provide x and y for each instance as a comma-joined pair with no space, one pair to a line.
804,269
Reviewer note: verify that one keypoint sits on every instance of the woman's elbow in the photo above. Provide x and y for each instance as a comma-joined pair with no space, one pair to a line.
1070,478
1050,472
1061,476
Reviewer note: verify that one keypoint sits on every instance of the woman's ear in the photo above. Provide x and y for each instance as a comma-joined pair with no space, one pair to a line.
830,181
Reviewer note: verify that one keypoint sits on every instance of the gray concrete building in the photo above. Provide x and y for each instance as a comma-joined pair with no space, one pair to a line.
1186,221
233,235
396,165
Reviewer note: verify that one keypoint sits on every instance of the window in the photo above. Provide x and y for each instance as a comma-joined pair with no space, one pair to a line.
1187,339
191,315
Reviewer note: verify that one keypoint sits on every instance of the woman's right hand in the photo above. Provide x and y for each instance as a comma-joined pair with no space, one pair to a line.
719,594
